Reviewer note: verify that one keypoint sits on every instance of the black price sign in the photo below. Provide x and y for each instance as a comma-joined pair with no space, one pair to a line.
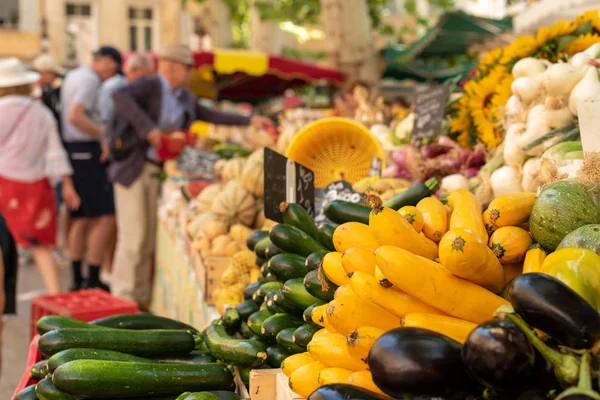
286,180
338,190
430,106
376,166
197,162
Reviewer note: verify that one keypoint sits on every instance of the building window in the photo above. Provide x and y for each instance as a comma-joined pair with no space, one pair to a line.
79,10
141,29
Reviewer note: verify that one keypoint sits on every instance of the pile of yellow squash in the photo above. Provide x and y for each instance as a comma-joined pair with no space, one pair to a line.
433,266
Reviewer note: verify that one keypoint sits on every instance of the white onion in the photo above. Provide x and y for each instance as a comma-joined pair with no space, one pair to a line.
506,180
528,67
593,51
557,112
534,131
579,60
528,89
588,87
536,114
514,109
560,79
531,174
453,182
513,153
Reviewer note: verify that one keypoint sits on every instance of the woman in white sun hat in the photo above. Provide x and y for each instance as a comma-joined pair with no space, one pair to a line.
31,154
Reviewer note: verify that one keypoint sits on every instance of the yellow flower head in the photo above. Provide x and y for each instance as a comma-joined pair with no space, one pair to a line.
561,28
582,43
592,16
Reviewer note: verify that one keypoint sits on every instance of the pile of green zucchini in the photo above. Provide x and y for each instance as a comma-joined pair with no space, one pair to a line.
274,321
133,356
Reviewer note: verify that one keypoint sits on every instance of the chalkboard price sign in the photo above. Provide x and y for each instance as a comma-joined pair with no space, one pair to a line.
338,190
197,162
286,180
430,106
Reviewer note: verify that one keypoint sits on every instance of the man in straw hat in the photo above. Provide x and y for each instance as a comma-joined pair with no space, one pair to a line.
152,105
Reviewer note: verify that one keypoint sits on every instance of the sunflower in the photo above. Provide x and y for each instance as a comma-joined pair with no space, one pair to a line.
522,47
582,43
481,94
561,28
592,16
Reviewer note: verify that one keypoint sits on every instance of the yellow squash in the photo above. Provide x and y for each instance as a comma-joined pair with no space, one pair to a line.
321,332
487,222
333,268
354,234
534,259
511,209
317,313
413,216
511,271
361,340
383,281
344,290
305,379
432,284
329,376
464,253
466,212
435,218
358,259
347,313
363,379
295,361
455,328
332,350
398,303
510,243
391,228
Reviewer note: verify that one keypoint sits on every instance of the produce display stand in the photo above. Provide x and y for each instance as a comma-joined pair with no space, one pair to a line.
270,384
33,357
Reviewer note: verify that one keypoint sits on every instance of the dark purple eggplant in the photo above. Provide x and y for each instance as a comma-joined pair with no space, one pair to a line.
584,390
525,394
343,392
543,376
566,366
551,306
498,355
418,362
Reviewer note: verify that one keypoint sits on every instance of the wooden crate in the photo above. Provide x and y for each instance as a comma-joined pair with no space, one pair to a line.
215,266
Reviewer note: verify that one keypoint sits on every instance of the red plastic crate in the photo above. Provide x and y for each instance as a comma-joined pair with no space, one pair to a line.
33,357
84,305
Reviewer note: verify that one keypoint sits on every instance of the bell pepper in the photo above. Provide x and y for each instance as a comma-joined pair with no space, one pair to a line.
577,268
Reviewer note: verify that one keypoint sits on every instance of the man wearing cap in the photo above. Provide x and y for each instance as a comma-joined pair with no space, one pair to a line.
152,105
84,138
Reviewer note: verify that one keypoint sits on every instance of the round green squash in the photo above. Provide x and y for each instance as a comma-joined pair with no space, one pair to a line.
561,208
586,237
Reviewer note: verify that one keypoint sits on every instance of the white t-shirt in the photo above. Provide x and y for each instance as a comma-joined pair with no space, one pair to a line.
33,150
82,85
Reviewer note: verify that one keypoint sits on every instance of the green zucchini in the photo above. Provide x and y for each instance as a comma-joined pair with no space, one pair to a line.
86,377
414,194
72,354
39,370
276,355
264,269
27,394
326,236
296,294
265,288
293,240
195,357
201,346
150,343
260,261
275,323
303,335
261,247
287,266
232,320
317,284
247,308
315,260
51,322
307,314
256,321
285,340
263,306
340,212
141,321
45,390
245,330
254,238
269,278
281,302
272,250
295,215
214,395
250,289
244,374
241,352
271,305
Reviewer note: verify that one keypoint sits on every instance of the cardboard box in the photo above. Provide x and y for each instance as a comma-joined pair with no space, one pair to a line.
283,391
263,384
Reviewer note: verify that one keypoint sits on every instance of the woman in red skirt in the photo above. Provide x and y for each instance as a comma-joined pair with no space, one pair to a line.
30,154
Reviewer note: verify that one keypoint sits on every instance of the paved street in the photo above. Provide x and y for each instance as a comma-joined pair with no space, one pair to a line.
15,338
